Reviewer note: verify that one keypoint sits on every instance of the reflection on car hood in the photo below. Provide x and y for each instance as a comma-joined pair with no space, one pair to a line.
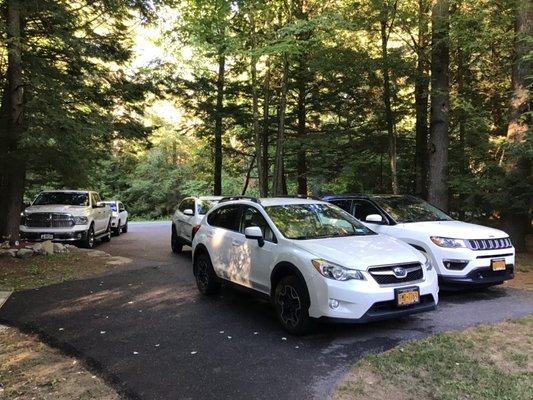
361,252
453,229
66,209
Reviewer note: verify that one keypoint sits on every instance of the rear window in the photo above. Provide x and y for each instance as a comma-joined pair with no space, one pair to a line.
112,206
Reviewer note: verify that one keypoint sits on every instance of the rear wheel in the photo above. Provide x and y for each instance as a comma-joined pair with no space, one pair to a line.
116,231
107,236
206,279
125,227
175,241
292,305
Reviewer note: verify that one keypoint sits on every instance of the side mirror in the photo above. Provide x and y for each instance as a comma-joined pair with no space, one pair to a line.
374,218
188,212
99,205
254,232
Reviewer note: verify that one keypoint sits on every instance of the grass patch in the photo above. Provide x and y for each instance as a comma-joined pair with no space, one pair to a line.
485,362
31,370
43,270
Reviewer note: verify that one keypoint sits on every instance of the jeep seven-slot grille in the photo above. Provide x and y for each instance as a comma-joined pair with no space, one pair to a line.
49,220
385,275
489,244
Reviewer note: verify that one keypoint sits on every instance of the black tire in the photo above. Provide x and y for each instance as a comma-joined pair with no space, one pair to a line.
116,231
175,242
206,279
107,237
291,301
125,227
88,242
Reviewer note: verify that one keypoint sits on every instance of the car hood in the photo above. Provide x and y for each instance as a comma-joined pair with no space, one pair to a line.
66,209
361,252
453,229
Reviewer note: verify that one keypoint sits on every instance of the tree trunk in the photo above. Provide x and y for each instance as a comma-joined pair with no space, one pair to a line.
279,173
12,165
461,119
421,101
389,117
517,217
248,173
301,158
255,111
263,187
440,106
217,190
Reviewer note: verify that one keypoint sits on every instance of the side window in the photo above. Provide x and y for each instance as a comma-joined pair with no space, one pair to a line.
363,208
252,217
94,201
97,198
121,207
225,217
346,205
185,204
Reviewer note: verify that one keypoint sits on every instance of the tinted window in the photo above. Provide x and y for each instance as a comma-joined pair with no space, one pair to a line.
251,216
346,205
186,204
363,208
111,205
121,207
410,209
204,206
62,198
225,217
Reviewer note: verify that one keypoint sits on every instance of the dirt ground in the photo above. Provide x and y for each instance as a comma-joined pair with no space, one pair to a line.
523,272
43,270
30,369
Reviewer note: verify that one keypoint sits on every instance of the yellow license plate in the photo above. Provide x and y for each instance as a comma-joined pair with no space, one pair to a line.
497,265
406,297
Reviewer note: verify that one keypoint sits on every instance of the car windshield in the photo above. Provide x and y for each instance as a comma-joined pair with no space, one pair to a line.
405,209
62,198
315,221
205,205
111,205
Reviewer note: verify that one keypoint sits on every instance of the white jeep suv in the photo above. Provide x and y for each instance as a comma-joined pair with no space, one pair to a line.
190,212
465,255
67,216
313,260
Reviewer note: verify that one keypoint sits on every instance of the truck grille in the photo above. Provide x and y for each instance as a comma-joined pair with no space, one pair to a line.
391,274
489,244
49,220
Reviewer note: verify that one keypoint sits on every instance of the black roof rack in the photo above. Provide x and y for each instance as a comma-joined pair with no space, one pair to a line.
230,198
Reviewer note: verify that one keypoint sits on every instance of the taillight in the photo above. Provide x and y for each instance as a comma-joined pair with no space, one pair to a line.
195,229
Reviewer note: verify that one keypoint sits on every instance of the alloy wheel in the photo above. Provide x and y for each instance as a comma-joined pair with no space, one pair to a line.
290,305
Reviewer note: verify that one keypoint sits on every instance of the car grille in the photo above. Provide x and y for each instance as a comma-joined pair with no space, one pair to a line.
49,220
489,244
385,275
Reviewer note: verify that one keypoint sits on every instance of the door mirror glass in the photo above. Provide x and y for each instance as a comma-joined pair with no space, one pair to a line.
188,212
254,232
374,218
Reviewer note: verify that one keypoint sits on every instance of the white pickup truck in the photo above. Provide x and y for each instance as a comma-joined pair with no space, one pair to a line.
67,216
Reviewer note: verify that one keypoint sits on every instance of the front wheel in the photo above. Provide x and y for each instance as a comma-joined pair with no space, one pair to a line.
292,306
206,279
175,242
88,242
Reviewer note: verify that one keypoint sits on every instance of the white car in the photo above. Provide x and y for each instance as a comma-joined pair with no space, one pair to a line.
464,254
119,216
190,212
67,216
313,260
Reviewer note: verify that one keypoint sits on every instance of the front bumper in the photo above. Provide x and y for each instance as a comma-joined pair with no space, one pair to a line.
57,236
363,301
478,277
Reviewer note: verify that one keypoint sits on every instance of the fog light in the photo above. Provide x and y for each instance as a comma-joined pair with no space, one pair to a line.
333,304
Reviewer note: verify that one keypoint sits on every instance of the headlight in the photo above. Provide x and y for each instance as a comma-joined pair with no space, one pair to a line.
336,272
427,263
447,242
81,220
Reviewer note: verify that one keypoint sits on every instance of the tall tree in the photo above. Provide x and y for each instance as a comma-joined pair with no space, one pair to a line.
519,165
440,106
12,166
279,186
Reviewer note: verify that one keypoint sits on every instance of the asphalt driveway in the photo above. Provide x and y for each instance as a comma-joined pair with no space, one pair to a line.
148,331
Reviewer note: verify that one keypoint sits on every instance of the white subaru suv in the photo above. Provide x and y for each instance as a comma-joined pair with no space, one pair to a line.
313,260
464,254
190,212
67,216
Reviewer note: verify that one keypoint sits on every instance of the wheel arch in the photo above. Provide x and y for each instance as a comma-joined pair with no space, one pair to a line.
283,269
199,249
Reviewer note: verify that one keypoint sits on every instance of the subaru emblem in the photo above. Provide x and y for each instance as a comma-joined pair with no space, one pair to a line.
399,272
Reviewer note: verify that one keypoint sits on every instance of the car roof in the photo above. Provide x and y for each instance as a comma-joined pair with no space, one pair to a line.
67,191
363,196
274,201
210,198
